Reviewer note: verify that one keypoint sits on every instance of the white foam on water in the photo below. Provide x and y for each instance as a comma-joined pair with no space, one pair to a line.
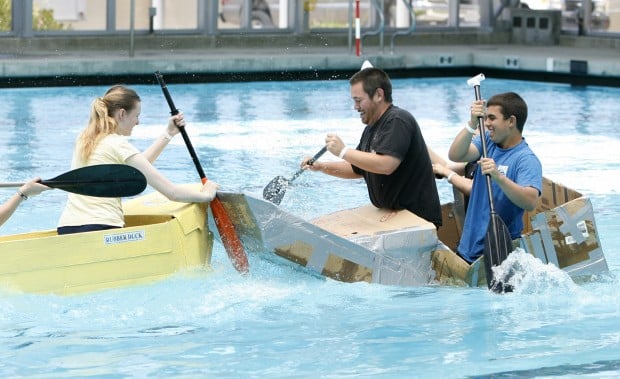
529,274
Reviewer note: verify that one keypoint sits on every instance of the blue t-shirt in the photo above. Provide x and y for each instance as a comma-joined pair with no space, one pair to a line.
520,165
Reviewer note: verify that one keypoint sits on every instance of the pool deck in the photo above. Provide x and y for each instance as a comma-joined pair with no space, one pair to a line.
589,60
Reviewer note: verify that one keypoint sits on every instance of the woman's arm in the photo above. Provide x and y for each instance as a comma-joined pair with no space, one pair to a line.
162,141
454,177
31,188
173,192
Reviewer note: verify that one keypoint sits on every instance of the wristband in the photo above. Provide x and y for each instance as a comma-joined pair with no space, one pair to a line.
343,152
22,195
450,177
167,136
470,130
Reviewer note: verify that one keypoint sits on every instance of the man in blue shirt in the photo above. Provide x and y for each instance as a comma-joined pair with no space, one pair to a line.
515,171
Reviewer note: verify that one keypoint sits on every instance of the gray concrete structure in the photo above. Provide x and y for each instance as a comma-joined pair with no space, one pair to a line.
77,60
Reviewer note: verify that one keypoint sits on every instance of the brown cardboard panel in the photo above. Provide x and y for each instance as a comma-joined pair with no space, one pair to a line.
449,268
368,220
566,233
346,271
298,252
335,267
451,228
555,194
569,251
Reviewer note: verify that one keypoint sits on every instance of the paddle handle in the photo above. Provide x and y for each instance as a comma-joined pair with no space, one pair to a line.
317,155
49,183
11,184
232,244
310,162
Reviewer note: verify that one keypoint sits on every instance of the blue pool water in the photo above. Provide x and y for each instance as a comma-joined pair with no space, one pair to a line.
279,322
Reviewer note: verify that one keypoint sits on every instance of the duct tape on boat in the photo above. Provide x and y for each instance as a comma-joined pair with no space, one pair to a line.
111,239
583,228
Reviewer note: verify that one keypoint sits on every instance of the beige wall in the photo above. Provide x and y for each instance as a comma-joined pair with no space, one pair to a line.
613,9
123,8
180,14
176,14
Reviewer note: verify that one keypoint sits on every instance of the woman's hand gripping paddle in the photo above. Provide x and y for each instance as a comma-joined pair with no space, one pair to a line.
275,190
224,225
103,180
497,243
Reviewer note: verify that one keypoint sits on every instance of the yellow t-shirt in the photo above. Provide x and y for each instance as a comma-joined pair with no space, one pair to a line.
84,210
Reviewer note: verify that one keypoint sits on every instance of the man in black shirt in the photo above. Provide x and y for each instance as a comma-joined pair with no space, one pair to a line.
391,156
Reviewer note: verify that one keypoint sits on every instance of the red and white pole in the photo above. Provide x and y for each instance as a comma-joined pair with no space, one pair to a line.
357,29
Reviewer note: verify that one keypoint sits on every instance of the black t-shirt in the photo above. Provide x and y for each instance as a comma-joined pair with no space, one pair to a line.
412,186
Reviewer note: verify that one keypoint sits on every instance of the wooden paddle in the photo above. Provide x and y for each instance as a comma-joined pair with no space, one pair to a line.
497,243
230,239
104,180
275,190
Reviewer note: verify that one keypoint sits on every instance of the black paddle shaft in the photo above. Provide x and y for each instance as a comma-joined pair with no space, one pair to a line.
175,111
497,244
484,149
310,162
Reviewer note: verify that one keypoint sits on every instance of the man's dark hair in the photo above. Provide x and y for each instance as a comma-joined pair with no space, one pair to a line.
373,78
511,105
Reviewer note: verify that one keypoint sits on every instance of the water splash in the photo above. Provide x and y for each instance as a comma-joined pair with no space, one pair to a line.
529,274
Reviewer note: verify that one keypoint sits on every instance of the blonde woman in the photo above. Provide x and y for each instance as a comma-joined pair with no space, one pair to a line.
104,141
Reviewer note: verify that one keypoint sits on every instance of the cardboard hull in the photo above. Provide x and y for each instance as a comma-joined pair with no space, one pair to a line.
361,249
560,231
400,248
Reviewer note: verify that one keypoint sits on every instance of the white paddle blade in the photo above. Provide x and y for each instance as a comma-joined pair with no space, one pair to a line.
366,64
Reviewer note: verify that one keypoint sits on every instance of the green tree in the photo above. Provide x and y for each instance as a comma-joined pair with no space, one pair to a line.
42,19
5,15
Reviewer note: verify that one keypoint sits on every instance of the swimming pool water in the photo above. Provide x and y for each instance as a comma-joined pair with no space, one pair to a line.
281,322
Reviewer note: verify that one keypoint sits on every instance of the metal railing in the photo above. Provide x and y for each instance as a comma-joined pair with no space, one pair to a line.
408,31
378,6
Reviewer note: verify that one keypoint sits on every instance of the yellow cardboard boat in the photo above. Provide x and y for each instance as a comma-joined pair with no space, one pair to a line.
400,248
161,237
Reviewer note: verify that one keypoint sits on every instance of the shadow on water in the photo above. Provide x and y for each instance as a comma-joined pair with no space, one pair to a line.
594,368
22,138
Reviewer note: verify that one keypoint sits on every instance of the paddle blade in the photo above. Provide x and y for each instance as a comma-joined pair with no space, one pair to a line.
275,190
105,180
231,241
497,246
